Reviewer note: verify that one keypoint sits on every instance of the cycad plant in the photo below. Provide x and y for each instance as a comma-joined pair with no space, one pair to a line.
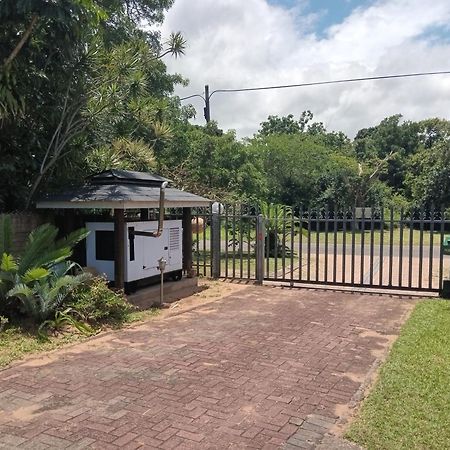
40,277
42,297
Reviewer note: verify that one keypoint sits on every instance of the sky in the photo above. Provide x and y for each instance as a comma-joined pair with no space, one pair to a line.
248,43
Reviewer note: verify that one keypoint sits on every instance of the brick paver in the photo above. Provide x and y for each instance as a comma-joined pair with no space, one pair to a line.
263,368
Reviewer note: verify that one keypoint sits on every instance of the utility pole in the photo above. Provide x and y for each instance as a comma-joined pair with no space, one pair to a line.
206,109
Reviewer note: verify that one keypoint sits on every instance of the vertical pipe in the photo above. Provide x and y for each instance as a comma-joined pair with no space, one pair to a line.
197,243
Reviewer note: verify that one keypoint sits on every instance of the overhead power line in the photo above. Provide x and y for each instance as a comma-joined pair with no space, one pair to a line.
208,95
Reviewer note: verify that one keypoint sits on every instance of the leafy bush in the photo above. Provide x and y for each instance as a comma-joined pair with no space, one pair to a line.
97,303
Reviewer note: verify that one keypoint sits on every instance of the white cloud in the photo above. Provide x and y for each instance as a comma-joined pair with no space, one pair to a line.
235,43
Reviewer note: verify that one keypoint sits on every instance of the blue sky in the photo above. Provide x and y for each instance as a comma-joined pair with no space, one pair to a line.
329,12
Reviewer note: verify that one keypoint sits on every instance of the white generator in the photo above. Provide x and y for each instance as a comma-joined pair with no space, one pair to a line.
142,252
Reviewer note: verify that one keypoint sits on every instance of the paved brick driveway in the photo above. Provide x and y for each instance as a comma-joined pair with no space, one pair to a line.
263,368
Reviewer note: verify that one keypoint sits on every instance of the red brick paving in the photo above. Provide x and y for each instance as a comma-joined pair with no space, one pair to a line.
257,369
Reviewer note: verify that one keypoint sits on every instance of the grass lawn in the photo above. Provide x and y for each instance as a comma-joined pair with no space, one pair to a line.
409,407
15,342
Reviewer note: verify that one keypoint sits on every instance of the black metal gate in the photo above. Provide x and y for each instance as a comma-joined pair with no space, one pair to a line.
365,247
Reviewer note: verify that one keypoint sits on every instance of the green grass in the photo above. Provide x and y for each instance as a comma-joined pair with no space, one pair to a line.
409,407
17,342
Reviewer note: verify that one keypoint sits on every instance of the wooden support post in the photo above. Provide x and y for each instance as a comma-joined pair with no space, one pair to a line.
119,248
187,241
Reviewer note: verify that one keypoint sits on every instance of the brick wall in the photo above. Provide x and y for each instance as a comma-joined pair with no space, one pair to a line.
22,224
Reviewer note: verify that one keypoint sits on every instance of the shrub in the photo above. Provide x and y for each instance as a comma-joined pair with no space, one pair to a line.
98,304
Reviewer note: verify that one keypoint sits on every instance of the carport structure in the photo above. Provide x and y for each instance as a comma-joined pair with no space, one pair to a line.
125,191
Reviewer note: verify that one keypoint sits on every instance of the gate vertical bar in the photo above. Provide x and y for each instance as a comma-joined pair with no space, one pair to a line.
381,245
283,250
249,249
276,243
233,229
411,239
344,244
421,221
215,245
317,244
292,247
400,251
226,240
327,216
353,243
391,243
300,245
335,244
260,251
430,254
241,244
441,251
372,243
308,251
363,230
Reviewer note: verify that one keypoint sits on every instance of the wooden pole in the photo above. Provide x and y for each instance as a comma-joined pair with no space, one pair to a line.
187,241
119,248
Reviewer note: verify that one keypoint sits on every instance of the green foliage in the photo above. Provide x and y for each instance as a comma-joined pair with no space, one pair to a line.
43,297
37,282
97,304
122,154
62,319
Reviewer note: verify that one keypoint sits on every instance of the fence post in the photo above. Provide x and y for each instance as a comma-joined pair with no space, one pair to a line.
215,244
260,251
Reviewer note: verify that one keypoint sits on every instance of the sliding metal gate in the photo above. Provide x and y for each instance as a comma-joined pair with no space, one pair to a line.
365,247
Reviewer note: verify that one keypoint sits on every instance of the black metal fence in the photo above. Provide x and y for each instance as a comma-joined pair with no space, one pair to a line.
364,247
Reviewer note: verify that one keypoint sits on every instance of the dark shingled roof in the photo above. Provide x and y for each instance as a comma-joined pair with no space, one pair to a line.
118,176
121,189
